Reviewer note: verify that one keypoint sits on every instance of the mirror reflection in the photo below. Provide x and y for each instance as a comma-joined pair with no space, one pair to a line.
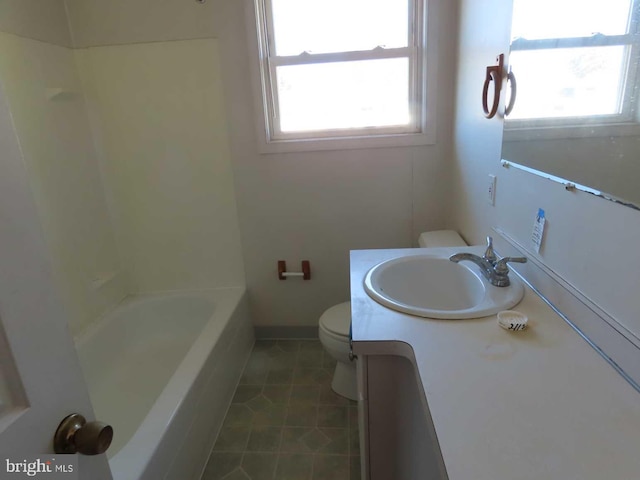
576,114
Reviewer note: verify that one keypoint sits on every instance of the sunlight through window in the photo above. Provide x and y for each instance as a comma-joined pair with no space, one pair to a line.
338,68
571,72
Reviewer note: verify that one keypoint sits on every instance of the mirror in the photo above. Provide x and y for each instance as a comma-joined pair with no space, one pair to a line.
576,114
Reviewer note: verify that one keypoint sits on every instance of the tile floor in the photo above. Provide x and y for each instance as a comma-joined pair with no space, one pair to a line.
285,422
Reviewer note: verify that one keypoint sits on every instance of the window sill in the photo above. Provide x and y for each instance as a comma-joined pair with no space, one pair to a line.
347,143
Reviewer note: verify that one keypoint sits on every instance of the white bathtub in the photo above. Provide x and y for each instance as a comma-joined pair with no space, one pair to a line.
161,370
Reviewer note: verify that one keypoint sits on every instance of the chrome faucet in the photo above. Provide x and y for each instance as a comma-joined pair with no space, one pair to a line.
489,255
494,270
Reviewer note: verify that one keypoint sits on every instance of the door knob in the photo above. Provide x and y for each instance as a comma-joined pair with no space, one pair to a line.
76,435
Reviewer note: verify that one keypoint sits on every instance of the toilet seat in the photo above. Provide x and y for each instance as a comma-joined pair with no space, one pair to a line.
336,321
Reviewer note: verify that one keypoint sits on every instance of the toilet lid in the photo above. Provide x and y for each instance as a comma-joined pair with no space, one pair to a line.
337,319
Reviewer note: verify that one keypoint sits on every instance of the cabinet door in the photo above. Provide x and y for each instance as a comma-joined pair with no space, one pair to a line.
363,416
401,443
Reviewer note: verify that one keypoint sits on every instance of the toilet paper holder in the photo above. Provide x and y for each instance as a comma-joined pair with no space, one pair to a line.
305,273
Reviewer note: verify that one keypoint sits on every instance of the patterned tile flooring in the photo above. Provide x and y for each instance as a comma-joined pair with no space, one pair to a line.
285,422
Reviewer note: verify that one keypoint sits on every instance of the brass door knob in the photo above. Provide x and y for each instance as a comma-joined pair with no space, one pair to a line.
76,435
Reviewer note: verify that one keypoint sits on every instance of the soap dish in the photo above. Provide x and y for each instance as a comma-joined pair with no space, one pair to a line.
512,320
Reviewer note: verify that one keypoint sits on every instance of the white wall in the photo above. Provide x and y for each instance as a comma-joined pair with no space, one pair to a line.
56,144
158,122
591,243
37,19
319,205
300,206
99,22
159,113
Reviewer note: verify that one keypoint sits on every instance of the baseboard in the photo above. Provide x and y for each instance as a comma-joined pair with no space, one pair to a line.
286,332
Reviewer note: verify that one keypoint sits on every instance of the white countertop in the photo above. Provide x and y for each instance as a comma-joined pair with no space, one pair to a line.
539,404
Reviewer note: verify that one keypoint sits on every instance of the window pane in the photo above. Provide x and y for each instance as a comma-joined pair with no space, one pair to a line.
536,19
569,82
324,26
371,93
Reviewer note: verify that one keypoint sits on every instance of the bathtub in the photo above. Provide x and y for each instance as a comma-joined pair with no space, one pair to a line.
161,370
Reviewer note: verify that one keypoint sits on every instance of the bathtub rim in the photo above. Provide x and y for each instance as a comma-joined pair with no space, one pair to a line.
147,439
102,319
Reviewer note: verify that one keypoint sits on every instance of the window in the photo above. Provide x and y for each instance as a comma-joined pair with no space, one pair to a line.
581,72
341,69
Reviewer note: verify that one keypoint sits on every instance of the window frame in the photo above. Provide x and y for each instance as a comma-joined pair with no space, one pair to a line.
627,122
421,87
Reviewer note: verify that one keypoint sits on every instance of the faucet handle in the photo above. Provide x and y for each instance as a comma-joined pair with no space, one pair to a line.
501,266
489,254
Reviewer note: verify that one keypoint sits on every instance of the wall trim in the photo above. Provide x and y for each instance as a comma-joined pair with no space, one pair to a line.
569,185
592,323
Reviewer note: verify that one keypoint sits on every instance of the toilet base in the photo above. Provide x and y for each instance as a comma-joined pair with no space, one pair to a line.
344,381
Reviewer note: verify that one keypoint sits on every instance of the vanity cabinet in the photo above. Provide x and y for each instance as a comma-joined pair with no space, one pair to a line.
487,403
397,437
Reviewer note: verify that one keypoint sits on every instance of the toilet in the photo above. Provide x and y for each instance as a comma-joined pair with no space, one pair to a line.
335,323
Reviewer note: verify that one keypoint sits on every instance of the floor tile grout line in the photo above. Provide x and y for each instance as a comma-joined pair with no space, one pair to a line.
246,363
285,452
241,462
313,463
347,428
348,435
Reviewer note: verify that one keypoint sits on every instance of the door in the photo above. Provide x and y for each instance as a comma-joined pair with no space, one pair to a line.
40,378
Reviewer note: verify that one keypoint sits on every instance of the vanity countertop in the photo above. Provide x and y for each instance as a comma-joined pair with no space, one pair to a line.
538,404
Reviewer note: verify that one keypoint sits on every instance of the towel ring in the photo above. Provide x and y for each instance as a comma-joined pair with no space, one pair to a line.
511,80
494,74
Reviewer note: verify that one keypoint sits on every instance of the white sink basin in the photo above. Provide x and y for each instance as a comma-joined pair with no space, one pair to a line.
434,287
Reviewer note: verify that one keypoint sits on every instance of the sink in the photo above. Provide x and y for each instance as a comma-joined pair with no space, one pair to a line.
434,287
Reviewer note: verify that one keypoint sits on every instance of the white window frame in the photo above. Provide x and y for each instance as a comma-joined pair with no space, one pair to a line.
421,89
627,122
